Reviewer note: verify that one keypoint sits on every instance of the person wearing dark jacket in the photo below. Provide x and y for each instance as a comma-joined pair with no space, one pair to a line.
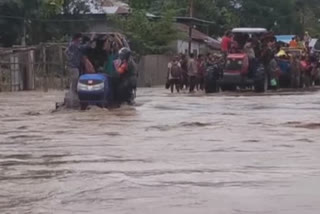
128,80
174,74
192,73
75,56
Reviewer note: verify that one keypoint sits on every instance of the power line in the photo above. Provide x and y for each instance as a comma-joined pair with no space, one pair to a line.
52,20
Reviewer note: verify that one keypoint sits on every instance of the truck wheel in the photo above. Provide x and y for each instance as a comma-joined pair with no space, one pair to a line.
211,87
307,81
83,106
229,88
261,85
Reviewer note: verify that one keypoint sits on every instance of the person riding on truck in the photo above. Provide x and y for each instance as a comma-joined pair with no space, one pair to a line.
126,69
75,55
293,43
226,43
113,75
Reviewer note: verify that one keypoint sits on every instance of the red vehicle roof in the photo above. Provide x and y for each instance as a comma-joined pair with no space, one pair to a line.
237,56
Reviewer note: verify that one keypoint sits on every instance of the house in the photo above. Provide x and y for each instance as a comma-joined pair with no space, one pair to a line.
108,7
201,42
100,8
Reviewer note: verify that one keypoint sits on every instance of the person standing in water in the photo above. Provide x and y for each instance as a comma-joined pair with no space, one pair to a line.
201,72
192,72
174,74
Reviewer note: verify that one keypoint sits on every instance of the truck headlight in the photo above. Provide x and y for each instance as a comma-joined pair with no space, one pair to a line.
84,87
99,86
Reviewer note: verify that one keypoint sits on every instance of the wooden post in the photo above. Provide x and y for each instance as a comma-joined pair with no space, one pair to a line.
62,67
15,73
190,27
1,77
30,71
44,68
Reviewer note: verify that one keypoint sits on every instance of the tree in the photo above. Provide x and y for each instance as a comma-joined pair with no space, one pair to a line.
33,19
268,14
148,36
219,11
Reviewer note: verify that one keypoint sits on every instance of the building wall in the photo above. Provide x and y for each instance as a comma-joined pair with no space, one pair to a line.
153,70
101,26
196,47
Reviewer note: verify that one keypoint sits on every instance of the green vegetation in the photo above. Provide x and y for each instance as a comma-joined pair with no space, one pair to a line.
148,36
281,16
29,19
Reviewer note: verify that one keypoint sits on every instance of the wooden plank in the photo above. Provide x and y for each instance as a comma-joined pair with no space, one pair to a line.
30,71
44,69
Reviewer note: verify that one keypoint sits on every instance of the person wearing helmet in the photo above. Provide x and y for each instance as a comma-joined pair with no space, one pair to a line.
126,70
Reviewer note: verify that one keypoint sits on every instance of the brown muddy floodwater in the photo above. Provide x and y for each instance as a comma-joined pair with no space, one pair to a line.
171,154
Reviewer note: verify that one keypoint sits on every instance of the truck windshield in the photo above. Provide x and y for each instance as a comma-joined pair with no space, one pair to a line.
234,64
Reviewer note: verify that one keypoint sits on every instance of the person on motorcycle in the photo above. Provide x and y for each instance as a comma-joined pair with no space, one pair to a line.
126,69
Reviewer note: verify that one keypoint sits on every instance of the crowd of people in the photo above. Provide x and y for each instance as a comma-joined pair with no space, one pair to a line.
306,62
191,71
300,42
188,73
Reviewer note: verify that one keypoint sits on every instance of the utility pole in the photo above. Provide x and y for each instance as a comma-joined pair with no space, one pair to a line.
24,32
303,19
301,7
190,26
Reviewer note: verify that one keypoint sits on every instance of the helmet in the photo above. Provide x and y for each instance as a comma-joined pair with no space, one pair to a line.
124,53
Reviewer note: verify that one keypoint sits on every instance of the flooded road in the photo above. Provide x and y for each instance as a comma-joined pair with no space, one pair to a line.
175,154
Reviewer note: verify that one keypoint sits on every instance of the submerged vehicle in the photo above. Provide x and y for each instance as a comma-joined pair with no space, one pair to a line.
238,70
98,87
237,73
93,89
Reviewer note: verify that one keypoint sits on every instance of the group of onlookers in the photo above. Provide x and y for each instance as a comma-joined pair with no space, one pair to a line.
189,72
299,42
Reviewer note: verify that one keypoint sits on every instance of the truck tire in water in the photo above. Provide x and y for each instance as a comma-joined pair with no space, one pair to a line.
83,106
261,85
261,81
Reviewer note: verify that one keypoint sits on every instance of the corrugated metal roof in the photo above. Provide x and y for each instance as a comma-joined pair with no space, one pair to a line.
197,35
108,7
